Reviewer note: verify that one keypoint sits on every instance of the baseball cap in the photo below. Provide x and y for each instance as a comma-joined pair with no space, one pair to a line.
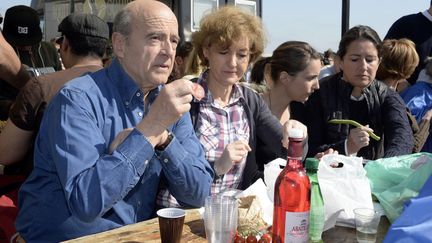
84,24
21,26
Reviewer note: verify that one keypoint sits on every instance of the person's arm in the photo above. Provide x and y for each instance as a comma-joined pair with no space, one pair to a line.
93,179
398,136
188,174
18,134
11,69
422,134
14,143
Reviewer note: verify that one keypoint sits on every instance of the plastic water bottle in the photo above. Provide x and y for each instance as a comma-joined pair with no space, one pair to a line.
316,217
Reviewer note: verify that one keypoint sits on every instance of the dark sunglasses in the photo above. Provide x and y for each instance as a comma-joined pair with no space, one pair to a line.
59,40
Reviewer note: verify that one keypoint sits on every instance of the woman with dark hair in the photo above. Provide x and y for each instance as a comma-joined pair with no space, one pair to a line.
290,74
355,94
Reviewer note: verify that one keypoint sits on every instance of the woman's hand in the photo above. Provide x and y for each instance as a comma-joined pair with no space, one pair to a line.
232,154
358,138
292,124
328,151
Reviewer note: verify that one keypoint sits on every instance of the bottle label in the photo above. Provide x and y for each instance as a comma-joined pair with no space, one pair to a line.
296,226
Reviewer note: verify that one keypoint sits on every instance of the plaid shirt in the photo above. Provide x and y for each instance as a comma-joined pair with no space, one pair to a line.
217,127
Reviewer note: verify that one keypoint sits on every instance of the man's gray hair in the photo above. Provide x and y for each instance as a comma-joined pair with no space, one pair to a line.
123,21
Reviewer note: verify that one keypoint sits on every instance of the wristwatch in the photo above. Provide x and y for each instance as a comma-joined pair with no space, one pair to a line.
161,147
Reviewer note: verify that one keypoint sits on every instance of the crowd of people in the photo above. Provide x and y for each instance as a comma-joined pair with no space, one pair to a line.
101,143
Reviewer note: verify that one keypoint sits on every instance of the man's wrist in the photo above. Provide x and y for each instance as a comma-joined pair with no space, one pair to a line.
165,142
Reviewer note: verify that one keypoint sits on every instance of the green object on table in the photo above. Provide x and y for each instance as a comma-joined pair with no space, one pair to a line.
353,123
395,180
316,215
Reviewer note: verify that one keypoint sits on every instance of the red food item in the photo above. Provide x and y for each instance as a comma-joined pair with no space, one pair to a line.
197,91
239,239
251,239
266,238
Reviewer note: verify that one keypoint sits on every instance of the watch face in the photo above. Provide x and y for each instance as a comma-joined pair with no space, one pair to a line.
162,147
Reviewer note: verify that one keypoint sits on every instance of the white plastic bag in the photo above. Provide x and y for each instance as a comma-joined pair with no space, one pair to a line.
343,188
271,172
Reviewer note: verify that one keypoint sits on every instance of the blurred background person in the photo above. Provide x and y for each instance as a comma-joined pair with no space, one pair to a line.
418,98
398,61
355,94
13,76
330,69
418,28
181,60
21,28
22,31
82,45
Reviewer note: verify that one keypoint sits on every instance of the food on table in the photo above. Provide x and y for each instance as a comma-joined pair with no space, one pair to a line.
353,123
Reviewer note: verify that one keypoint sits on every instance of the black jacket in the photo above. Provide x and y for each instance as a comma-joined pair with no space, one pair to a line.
386,115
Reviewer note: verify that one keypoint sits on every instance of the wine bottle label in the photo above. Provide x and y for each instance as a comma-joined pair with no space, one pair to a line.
296,226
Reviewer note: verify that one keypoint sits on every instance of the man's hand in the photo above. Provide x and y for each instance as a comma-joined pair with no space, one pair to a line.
358,138
232,154
172,102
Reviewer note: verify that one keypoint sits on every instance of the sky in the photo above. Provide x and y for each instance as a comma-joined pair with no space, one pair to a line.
317,22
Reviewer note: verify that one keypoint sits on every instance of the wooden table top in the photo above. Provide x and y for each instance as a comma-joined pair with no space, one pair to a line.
193,231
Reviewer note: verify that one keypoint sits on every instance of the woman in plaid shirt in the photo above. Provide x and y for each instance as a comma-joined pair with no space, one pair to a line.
231,117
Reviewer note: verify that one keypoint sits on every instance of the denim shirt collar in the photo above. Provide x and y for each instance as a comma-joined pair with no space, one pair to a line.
126,85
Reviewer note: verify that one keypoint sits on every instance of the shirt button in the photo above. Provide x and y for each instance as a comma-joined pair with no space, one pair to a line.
139,203
146,162
140,114
165,160
127,103
138,94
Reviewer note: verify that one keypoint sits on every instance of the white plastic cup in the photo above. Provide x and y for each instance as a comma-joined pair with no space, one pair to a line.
366,222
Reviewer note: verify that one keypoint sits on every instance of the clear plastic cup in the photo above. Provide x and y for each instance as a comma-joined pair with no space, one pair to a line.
366,221
220,218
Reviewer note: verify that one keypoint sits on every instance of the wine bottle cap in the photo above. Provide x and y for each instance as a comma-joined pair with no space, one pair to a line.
295,133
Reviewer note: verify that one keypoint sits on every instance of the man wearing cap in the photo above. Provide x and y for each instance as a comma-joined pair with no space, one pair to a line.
21,29
82,46
79,187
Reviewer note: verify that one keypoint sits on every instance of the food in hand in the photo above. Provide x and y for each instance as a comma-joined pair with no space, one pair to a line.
197,91
353,123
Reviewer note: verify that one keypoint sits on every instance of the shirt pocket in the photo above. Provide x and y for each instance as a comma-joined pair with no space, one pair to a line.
209,138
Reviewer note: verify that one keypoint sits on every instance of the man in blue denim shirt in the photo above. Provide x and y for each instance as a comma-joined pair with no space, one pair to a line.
78,186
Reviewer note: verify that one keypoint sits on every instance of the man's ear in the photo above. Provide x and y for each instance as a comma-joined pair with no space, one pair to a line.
65,44
178,60
118,44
